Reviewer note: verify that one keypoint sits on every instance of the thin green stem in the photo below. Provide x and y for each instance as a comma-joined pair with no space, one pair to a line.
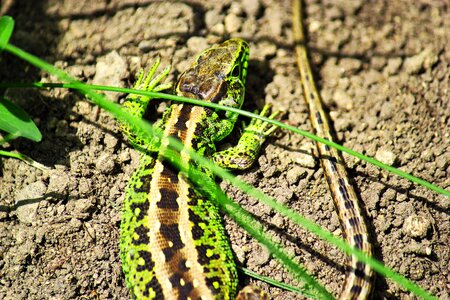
24,158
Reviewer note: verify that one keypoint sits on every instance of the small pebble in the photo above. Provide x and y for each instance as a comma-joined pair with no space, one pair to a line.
342,99
416,226
124,156
333,13
232,23
419,248
145,46
278,221
110,141
259,256
212,18
378,62
239,253
423,60
75,224
294,174
83,206
252,7
393,65
275,20
372,76
197,44
304,157
59,182
84,186
266,49
283,194
387,110
105,163
349,66
111,69
386,156
27,201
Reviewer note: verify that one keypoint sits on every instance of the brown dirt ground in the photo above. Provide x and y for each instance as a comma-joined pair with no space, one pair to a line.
382,69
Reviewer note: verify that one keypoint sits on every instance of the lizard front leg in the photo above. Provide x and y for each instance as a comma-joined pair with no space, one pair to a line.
244,154
137,104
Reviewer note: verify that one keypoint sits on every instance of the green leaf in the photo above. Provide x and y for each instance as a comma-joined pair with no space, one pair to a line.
6,29
16,121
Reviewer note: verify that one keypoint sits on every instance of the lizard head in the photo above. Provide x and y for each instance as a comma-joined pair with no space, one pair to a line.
218,74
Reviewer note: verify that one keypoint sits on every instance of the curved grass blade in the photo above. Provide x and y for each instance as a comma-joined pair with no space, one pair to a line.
25,159
17,122
181,99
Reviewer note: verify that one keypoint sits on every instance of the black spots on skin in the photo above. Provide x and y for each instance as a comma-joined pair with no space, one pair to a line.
169,253
249,153
203,257
349,204
344,193
168,173
200,129
168,199
333,162
358,239
182,265
327,148
142,233
206,270
311,96
359,271
155,286
213,283
141,208
184,287
197,231
356,289
145,184
341,183
171,233
183,117
353,222
192,196
148,262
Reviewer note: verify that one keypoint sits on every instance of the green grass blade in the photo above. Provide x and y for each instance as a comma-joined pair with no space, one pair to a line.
6,29
281,285
17,122
24,158
252,115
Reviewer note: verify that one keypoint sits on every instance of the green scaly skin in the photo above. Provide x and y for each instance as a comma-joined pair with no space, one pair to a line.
173,244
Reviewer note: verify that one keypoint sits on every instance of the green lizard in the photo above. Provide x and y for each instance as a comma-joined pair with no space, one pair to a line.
173,244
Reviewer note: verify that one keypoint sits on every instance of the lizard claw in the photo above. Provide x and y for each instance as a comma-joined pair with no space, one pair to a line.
263,128
147,81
